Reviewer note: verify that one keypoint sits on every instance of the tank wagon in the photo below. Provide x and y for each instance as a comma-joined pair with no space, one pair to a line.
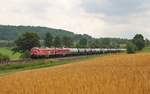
55,52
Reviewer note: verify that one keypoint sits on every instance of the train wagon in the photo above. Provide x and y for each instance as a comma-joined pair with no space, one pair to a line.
54,52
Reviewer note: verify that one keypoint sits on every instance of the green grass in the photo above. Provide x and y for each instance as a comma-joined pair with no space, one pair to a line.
12,68
146,49
7,51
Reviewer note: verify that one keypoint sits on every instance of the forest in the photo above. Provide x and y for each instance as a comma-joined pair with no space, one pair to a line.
9,33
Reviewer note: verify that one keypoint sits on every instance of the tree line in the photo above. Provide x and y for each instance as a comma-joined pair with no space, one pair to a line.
10,32
29,40
137,43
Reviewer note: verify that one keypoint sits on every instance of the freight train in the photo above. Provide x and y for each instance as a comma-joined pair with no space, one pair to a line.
55,52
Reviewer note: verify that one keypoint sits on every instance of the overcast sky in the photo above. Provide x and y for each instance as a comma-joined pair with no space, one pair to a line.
98,18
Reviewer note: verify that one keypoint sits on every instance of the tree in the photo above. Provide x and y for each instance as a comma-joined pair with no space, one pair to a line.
83,43
25,55
27,41
105,42
131,48
48,41
94,43
139,41
147,42
67,41
57,42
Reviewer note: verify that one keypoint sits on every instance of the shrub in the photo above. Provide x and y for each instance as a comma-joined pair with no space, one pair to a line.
131,48
4,58
26,55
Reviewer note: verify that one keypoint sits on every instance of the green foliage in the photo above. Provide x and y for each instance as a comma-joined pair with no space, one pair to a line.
107,43
94,44
10,53
131,48
48,41
146,49
8,32
67,41
147,43
4,58
27,41
26,55
57,42
83,43
139,41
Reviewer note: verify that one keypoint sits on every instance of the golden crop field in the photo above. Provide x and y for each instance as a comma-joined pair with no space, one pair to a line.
116,74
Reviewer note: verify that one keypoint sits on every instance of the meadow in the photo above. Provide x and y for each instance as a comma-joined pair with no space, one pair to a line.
115,74
146,50
11,54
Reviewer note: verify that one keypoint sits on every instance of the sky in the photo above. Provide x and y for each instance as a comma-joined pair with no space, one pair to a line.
98,18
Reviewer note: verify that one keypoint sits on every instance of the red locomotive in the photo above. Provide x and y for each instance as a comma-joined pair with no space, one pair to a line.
51,52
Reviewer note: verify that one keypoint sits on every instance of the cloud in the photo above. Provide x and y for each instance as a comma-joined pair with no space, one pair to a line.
115,7
99,18
122,17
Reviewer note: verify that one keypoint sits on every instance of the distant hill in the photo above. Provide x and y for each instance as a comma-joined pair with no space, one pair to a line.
8,32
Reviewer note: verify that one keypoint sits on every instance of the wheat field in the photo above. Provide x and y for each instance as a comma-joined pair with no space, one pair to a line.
115,74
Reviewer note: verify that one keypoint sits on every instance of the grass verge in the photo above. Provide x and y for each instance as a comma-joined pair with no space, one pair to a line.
12,68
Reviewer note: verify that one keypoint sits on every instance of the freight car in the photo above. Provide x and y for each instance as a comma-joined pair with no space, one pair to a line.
55,52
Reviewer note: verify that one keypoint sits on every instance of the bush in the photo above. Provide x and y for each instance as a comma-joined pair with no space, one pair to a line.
131,48
4,58
26,55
